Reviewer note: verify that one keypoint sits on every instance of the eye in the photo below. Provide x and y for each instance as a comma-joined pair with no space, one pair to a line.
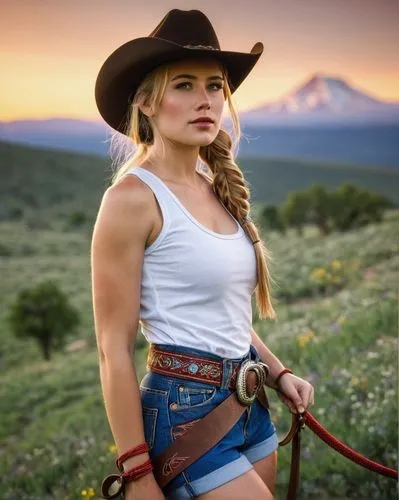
183,85
216,86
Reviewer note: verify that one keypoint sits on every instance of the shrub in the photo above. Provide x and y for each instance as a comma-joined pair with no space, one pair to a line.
77,218
44,313
354,207
271,218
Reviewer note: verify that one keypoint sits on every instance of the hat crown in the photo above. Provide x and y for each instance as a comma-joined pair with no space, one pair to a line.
187,27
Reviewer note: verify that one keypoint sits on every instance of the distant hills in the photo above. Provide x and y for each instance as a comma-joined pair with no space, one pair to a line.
324,119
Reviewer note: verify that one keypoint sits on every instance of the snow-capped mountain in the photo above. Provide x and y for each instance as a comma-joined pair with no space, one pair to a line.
323,98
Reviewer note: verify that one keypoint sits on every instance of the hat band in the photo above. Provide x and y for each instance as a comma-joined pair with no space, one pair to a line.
200,47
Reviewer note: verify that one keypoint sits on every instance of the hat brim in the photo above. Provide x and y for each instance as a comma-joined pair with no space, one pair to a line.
123,71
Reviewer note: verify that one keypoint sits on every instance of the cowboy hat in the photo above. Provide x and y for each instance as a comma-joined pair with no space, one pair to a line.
180,34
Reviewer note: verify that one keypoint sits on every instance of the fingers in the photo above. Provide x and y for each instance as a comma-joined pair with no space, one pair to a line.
299,397
287,402
307,396
304,398
310,396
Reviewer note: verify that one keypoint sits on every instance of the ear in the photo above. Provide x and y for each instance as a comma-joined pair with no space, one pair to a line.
145,107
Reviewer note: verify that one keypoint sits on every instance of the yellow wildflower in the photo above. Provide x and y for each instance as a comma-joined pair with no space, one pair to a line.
318,273
84,493
335,264
112,448
305,337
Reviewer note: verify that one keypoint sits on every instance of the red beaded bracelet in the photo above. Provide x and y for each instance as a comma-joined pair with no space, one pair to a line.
141,448
114,484
283,372
139,471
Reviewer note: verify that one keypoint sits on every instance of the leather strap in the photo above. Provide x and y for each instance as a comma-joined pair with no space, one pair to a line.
294,435
203,435
197,440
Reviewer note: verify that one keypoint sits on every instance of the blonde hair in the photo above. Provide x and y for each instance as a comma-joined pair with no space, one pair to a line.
227,181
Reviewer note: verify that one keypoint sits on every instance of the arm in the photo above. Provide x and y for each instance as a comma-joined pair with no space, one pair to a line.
295,392
121,231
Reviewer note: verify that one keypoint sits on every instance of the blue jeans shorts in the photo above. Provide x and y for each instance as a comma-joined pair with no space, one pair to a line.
168,402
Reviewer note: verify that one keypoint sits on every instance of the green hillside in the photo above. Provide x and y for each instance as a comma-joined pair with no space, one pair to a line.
271,179
337,306
52,183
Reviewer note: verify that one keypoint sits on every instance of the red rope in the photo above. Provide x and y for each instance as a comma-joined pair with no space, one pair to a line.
345,450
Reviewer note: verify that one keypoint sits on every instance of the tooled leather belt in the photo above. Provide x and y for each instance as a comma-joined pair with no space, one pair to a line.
189,367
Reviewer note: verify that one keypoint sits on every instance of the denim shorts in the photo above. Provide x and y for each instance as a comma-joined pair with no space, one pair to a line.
169,402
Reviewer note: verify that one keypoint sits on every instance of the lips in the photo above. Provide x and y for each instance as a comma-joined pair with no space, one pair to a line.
203,119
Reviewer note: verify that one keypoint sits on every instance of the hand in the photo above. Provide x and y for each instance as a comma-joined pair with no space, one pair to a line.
296,393
143,488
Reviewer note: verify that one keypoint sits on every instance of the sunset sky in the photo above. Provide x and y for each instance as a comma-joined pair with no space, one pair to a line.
51,50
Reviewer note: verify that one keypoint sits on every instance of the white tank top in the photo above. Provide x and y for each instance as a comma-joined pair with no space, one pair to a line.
196,284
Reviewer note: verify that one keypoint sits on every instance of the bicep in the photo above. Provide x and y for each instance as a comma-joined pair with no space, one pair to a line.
117,255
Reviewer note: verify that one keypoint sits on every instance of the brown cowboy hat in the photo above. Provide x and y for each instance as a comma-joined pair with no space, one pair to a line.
180,34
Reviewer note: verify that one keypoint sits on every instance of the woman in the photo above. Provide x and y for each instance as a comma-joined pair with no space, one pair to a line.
175,250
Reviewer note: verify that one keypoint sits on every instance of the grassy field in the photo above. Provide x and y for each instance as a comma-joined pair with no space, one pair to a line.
337,326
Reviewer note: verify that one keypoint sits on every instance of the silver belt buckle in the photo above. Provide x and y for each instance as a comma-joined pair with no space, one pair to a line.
261,369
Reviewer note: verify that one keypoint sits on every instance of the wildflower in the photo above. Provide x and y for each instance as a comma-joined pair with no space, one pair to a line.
88,493
112,448
335,264
305,338
318,273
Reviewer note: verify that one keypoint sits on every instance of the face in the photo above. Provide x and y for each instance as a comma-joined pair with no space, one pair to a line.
194,90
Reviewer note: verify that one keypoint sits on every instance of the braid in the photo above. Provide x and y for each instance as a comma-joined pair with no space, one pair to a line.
228,181
232,190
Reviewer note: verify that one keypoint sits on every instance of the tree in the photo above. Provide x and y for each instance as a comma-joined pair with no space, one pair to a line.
44,313
295,210
320,207
356,207
271,218
374,206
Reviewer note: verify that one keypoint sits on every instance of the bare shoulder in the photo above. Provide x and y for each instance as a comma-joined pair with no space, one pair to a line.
127,210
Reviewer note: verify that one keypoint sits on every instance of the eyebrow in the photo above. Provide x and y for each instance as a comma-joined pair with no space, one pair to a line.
192,77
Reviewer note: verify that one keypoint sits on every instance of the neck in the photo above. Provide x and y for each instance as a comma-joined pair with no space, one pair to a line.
175,162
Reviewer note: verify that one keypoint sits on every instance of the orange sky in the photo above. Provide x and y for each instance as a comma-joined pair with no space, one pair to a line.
51,50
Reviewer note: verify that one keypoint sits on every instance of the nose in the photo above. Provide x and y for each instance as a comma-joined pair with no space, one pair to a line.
204,101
